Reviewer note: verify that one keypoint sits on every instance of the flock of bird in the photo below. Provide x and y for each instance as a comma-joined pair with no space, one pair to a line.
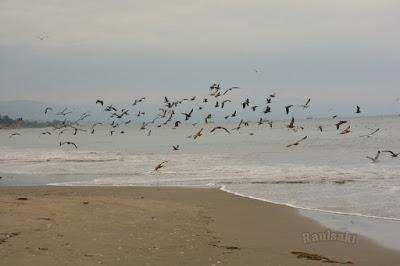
169,115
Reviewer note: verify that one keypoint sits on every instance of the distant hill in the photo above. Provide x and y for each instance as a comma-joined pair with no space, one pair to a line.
6,123
34,111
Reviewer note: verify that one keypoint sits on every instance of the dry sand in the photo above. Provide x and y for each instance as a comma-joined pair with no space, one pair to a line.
162,226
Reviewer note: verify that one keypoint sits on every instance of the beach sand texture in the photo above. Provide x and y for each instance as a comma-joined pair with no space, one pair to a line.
163,226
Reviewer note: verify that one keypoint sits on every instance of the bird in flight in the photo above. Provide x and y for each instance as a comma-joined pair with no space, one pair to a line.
287,108
47,110
291,124
267,109
371,134
138,101
230,89
198,133
297,142
374,159
338,124
160,165
100,102
305,106
110,108
68,143
188,115
64,112
207,118
42,38
15,134
219,127
392,154
345,131
246,103
223,103
175,148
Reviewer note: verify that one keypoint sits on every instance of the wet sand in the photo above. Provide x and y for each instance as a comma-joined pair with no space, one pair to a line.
164,226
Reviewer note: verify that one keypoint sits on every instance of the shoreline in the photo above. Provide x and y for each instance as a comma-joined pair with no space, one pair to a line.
383,230
219,225
380,229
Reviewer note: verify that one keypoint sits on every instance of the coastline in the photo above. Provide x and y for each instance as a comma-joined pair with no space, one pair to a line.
164,225
383,230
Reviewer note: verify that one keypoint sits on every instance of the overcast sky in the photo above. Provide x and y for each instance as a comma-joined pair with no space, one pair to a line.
340,52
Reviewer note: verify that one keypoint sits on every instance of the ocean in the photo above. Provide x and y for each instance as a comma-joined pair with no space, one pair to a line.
328,171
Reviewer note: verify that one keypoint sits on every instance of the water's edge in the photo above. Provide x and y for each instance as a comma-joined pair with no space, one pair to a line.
383,230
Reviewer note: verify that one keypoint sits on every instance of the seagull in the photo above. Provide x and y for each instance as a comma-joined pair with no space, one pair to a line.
375,159
239,126
392,154
219,127
291,124
175,148
320,128
138,101
64,112
305,106
100,102
358,111
47,110
42,38
46,133
287,108
15,134
254,107
198,133
68,143
214,86
345,131
161,165
246,103
297,142
370,134
267,109
110,108
230,89
208,117
188,115
223,103
338,124
177,123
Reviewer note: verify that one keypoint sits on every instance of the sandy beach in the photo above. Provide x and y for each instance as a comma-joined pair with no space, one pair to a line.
164,226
